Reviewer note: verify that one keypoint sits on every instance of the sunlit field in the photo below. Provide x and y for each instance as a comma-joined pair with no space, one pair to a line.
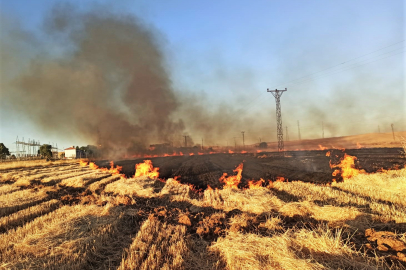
75,215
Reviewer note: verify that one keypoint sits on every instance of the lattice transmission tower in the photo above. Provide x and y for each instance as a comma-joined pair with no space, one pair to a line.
277,94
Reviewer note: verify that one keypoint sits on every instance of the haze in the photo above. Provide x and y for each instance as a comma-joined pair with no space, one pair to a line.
136,73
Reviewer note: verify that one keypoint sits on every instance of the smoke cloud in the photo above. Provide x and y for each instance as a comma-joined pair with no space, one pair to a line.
103,77
108,83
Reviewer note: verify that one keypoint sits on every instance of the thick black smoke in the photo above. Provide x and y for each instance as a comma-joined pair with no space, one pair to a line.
109,83
102,77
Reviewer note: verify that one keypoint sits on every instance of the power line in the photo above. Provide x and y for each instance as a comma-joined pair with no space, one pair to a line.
345,62
349,67
289,82
248,110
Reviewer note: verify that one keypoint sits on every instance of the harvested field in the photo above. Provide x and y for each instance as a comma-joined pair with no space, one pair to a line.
307,166
208,212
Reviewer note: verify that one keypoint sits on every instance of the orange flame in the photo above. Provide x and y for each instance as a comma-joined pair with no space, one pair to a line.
233,180
230,152
176,179
93,166
82,163
359,145
115,170
191,154
209,188
252,184
146,169
244,152
280,179
328,154
200,154
322,147
346,167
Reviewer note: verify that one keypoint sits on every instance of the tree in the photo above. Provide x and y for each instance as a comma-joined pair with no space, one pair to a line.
90,150
3,151
45,150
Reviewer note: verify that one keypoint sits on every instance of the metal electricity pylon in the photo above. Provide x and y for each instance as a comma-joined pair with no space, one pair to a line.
277,94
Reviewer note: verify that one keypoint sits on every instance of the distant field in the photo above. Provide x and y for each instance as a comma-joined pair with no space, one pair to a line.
370,140
67,215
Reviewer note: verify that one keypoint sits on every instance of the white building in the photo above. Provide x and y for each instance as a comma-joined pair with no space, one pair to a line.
72,152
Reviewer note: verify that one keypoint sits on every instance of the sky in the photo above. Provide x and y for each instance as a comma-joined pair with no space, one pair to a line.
342,62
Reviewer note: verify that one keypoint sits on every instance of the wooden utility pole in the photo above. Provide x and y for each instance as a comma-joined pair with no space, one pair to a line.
243,142
393,131
185,136
322,129
298,130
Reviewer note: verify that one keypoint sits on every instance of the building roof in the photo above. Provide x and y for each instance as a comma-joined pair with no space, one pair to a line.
70,148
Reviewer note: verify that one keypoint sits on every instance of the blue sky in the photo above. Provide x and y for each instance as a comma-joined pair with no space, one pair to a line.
231,51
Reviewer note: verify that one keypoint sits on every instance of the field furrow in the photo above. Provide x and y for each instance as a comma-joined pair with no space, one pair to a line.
81,180
21,217
52,180
157,246
72,237
8,188
18,200
99,185
330,196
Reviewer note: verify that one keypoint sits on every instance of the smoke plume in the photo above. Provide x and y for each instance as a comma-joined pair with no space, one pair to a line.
107,83
102,77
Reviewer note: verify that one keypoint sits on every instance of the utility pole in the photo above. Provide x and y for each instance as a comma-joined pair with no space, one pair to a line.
298,130
243,142
235,144
277,95
202,143
393,131
287,134
322,129
185,136
379,129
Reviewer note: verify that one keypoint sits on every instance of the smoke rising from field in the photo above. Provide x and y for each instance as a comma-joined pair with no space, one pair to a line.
109,84
103,77
106,82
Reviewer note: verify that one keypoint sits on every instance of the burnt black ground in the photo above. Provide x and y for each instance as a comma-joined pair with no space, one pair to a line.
308,166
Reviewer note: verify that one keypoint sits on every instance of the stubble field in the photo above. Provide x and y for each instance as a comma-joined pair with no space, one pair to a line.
252,211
